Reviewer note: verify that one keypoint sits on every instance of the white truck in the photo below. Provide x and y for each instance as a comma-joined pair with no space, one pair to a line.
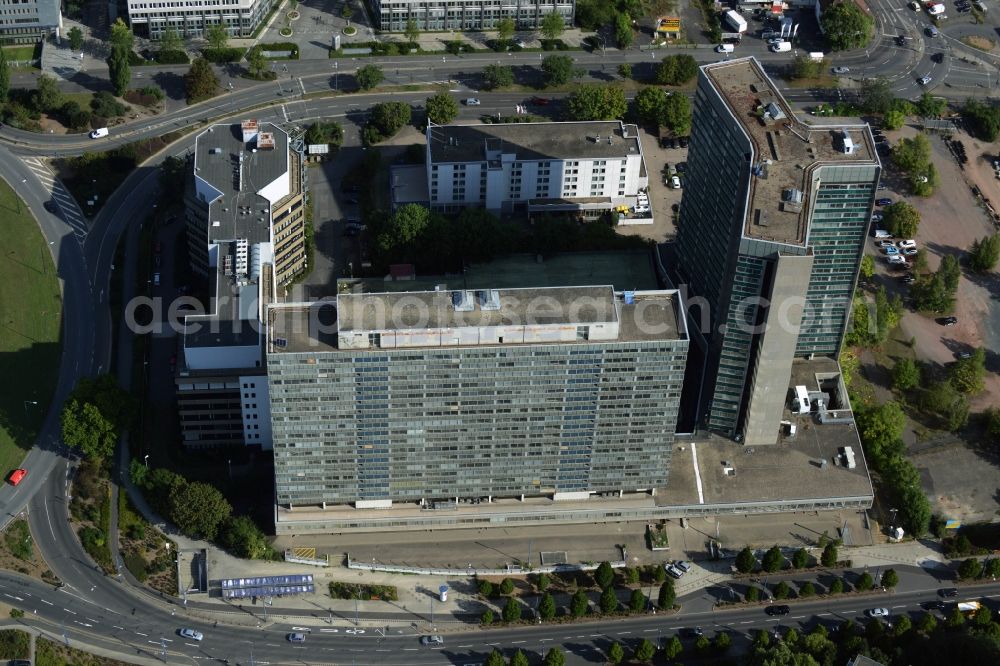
781,47
734,21
968,607
935,9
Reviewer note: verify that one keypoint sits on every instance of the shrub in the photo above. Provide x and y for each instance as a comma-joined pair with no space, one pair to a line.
837,586
506,586
969,569
782,590
282,46
808,589
172,57
752,594
487,618
745,560
136,564
511,610
485,588
864,582
339,590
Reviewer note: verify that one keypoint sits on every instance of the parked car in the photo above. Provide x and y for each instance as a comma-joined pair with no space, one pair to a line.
472,101
17,476
682,141
885,244
674,571
877,612
692,632
938,57
883,202
431,640
891,250
777,610
906,244
910,251
897,260
876,217
947,321
924,80
675,182
296,638
191,633
841,70
682,167
683,565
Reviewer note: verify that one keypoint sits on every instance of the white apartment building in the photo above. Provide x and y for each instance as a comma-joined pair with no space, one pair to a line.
587,167
27,21
392,15
190,18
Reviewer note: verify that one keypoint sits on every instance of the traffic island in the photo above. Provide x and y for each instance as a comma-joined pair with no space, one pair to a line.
350,31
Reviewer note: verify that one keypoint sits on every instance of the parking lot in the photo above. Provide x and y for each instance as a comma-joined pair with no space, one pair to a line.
662,198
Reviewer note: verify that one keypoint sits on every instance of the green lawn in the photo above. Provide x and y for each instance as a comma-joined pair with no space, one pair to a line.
30,321
20,52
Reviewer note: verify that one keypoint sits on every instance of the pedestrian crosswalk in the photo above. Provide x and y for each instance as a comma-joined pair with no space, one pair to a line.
68,208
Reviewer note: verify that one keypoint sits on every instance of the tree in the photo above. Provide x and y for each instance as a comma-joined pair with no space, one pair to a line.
880,427
389,117
242,537
969,569
119,71
829,557
558,69
47,96
893,120
547,607
256,62
200,82
805,67
511,610
496,658
616,654
954,619
800,558
596,102
604,575
752,595
876,95
702,644
644,652
649,104
808,589
673,648
983,119
992,568
982,617
837,586
75,36
936,291
890,579
325,131
676,114
554,657
722,641
608,601
846,26
864,582
676,70
905,374
86,429
519,659
912,155
578,604
121,36
198,509
625,70
746,561
506,586
497,76
412,31
901,219
623,30
968,374
637,602
217,36
552,25
505,29
930,106
666,596
347,12
867,269
171,40
782,590
660,574
983,254
487,618
927,623
484,587
4,77
631,575
773,560
542,582
369,76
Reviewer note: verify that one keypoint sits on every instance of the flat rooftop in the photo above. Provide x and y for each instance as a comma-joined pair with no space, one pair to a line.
304,327
623,269
227,326
240,212
534,141
786,149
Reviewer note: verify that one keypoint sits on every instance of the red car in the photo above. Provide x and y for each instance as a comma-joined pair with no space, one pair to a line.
539,101
17,476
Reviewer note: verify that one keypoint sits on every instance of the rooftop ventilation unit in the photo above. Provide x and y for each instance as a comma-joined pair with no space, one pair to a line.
629,298
793,195
462,301
847,144
488,299
773,111
215,151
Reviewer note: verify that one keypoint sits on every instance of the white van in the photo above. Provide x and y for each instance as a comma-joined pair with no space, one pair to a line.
725,48
99,132
781,47
816,55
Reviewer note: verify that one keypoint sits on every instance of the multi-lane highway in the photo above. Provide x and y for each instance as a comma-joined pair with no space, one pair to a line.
107,613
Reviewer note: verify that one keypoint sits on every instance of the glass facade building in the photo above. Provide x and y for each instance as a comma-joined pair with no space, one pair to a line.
770,241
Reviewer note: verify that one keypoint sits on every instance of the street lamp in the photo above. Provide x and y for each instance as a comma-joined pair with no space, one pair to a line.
29,402
145,459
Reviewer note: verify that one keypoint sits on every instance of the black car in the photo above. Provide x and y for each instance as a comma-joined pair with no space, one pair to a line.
938,57
947,321
51,206
682,167
683,141
664,142
934,605
901,40
692,632
948,592
883,202
777,610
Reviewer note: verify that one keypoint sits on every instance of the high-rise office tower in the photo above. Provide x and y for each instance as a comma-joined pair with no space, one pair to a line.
770,239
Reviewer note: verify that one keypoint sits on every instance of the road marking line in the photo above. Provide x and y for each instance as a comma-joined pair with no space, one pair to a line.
153,642
516,642
823,614
192,644
141,634
646,631
900,606
623,633
47,602
93,620
747,622
69,611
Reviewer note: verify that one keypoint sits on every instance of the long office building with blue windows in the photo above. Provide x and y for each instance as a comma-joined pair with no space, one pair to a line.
398,409
770,241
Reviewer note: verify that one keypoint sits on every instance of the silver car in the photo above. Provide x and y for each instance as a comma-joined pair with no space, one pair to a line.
191,633
431,640
296,638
